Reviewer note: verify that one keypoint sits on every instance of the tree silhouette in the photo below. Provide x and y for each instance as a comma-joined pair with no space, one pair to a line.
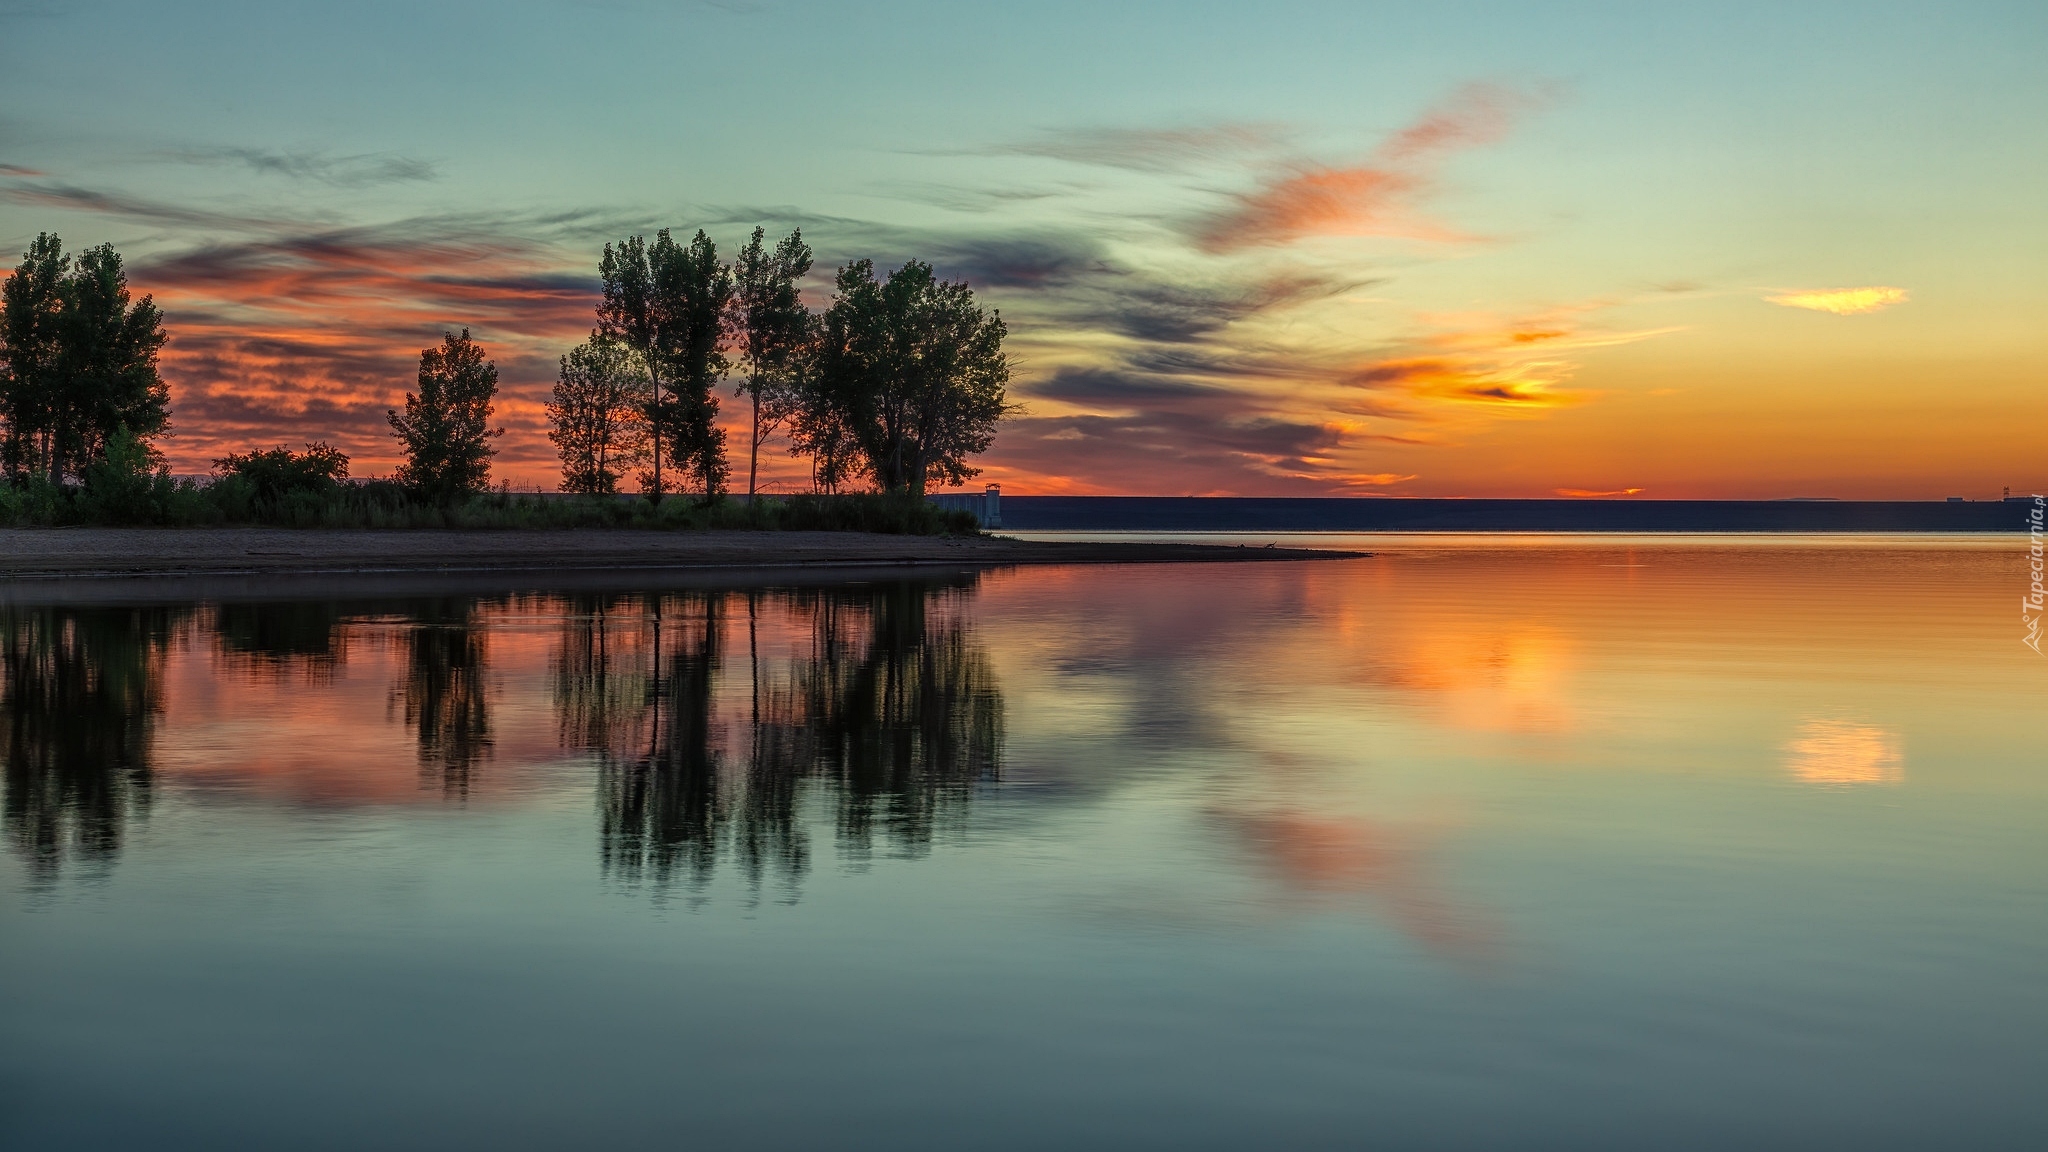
774,328
668,302
78,361
599,414
445,431
909,371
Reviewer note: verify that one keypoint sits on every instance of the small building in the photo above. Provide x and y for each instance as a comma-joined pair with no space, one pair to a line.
987,505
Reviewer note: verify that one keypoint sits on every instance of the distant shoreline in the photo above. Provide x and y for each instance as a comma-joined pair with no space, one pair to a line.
1418,514
39,555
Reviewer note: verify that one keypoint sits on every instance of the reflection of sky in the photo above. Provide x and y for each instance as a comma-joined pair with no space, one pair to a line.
1299,248
1455,843
1343,727
1840,752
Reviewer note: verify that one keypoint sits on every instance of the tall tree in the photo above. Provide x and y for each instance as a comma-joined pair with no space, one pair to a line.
911,372
108,360
445,430
31,309
599,414
78,361
668,302
773,328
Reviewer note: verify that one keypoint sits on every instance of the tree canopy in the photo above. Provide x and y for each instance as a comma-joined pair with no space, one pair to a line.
78,361
668,302
599,414
910,375
774,331
445,430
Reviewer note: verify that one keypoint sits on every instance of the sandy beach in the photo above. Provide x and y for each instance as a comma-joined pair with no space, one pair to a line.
49,553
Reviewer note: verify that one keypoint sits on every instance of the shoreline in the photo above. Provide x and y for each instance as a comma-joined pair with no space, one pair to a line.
39,555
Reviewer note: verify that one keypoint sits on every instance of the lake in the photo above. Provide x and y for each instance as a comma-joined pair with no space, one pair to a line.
1476,842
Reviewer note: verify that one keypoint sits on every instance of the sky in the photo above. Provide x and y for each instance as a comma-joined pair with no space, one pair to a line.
1481,249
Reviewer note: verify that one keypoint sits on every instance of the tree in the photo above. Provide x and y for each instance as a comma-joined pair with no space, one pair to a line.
599,414
910,373
668,303
78,361
445,429
107,362
773,327
31,307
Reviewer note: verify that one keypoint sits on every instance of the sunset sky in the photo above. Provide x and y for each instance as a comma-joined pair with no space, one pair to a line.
1728,250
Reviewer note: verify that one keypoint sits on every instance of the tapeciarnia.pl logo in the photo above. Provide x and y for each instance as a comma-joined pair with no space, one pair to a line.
2032,604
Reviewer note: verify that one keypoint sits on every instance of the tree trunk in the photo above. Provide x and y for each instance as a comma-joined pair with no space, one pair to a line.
754,448
654,429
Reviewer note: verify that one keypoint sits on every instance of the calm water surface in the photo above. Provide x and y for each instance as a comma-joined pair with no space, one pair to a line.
1517,843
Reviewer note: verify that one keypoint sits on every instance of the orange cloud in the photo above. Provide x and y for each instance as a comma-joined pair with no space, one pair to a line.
1377,479
1483,363
1843,301
1589,494
1375,198
313,337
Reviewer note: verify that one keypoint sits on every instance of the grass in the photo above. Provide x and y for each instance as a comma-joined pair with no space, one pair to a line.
156,499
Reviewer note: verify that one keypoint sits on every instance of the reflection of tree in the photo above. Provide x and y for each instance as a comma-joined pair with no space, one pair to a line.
600,690
303,635
904,724
444,693
893,711
662,807
78,704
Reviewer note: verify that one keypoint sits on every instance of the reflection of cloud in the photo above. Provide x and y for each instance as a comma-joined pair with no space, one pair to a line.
1516,677
1375,198
1844,301
1316,855
1842,752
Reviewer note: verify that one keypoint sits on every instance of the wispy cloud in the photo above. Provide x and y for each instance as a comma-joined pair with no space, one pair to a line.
1843,301
78,199
1377,197
352,171
1592,494
19,171
1150,149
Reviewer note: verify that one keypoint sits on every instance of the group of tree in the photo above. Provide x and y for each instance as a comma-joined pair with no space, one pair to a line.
78,363
893,386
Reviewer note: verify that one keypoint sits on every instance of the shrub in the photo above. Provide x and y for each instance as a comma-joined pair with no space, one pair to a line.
129,485
35,501
280,486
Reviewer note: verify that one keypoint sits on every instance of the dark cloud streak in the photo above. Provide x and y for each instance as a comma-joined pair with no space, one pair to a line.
354,171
